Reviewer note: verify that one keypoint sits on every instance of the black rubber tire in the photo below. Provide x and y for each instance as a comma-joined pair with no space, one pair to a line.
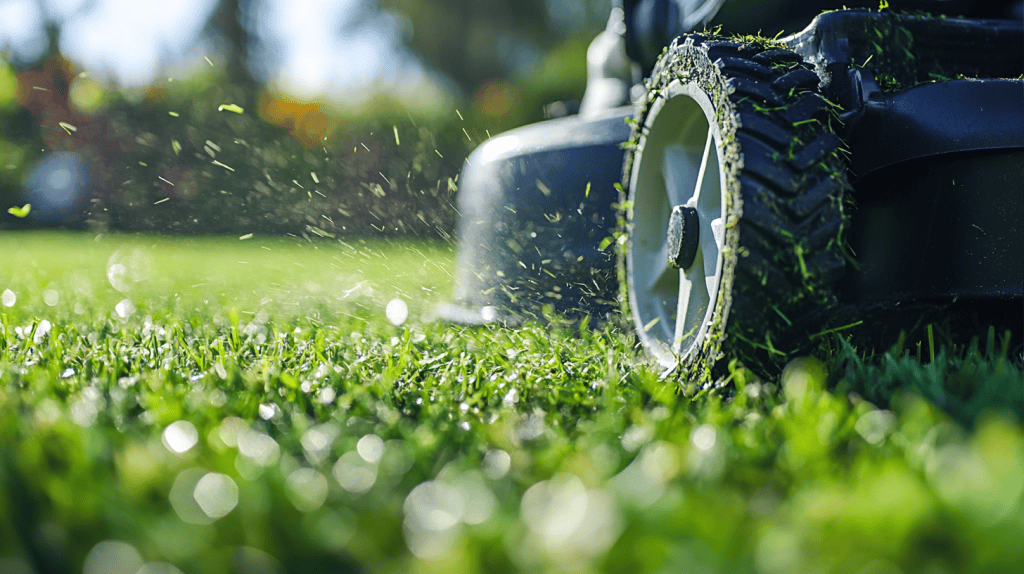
783,201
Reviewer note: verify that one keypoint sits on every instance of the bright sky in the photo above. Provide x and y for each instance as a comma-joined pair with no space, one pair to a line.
310,48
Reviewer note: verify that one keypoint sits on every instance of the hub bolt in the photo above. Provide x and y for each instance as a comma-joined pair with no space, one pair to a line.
683,236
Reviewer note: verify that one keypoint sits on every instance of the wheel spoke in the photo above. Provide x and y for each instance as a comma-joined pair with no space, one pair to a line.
681,308
712,236
692,305
698,189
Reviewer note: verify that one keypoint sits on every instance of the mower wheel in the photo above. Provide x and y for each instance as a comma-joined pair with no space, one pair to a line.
734,208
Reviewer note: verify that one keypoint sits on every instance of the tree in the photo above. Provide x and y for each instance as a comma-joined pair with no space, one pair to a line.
472,42
226,22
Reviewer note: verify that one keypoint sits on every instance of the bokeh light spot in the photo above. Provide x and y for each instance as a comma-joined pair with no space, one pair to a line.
112,557
397,311
370,448
180,436
216,494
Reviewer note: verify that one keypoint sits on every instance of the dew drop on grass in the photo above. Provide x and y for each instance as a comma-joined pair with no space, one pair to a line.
397,311
267,411
216,494
42,330
327,395
125,308
180,436
511,398
9,298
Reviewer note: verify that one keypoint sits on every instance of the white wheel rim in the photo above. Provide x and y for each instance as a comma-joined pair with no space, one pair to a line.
679,163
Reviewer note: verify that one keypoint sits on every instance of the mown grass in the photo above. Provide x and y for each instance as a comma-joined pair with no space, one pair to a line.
254,410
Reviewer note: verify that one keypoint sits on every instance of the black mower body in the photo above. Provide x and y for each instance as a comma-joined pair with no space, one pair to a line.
932,112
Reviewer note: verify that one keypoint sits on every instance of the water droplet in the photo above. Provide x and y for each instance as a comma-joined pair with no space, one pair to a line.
180,436
51,297
511,398
125,308
42,330
327,395
216,494
9,298
267,411
397,311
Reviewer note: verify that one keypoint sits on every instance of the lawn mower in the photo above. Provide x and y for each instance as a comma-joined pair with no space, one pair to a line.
752,194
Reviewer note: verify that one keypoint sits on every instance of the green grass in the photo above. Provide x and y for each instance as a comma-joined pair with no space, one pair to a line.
254,410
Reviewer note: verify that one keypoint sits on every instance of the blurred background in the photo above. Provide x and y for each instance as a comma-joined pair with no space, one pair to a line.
308,117
352,117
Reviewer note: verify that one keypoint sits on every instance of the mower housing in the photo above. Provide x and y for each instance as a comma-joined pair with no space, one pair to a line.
932,113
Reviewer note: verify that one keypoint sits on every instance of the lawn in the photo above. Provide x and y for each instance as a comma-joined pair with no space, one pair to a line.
277,405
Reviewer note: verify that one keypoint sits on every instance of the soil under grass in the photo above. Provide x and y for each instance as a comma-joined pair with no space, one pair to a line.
228,405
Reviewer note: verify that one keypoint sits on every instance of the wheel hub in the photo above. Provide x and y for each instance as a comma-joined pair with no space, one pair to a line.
683,237
674,256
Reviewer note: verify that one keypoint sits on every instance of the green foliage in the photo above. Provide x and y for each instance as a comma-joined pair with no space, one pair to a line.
181,162
252,409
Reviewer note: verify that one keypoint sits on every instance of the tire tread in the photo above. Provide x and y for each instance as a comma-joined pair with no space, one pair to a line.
792,185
